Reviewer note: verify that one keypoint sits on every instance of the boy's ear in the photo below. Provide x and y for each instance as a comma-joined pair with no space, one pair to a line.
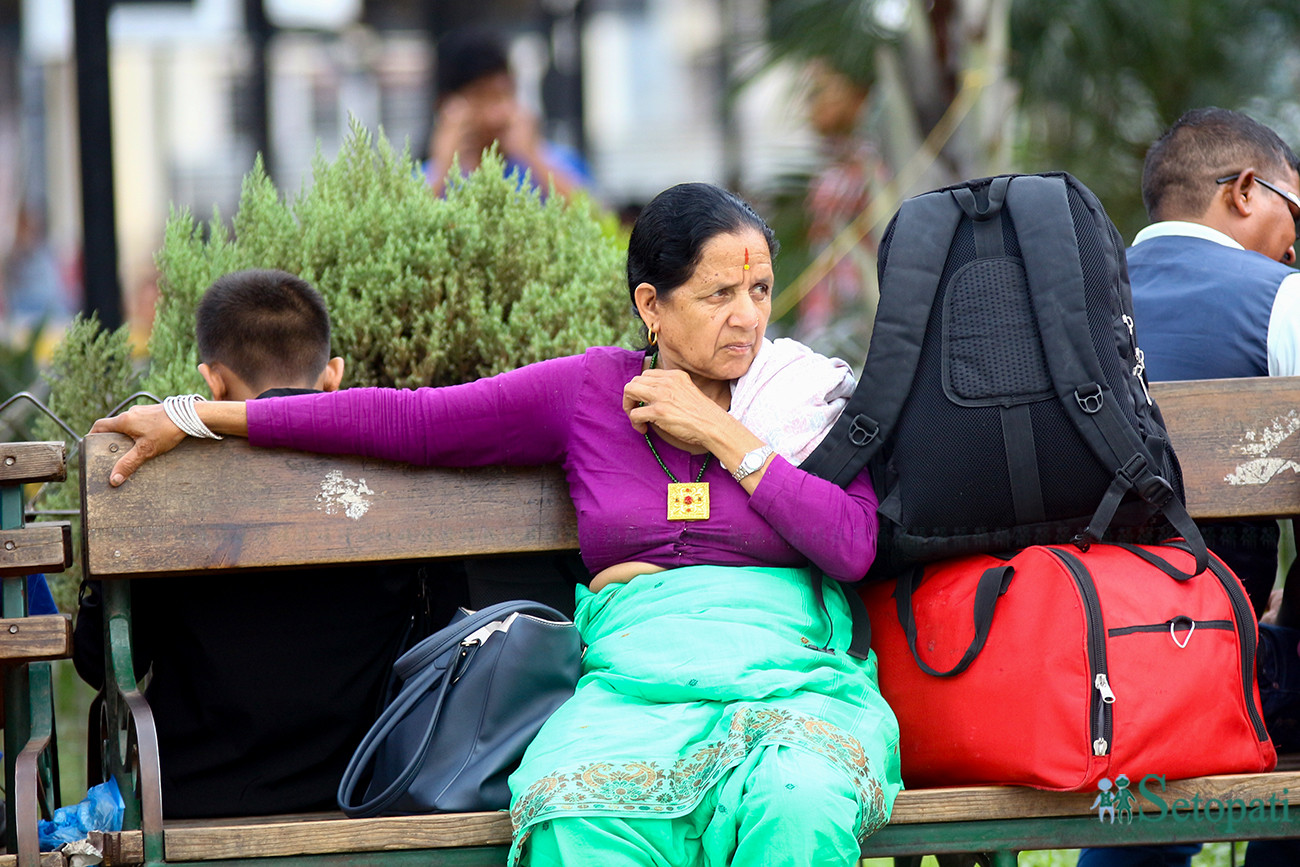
331,378
216,383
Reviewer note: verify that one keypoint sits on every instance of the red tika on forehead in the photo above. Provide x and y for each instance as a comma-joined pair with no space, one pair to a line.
746,258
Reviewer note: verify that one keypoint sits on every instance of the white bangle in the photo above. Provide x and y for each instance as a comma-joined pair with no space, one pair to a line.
180,409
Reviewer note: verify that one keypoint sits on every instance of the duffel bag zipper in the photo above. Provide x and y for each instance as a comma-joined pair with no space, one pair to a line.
1172,623
1244,614
1102,694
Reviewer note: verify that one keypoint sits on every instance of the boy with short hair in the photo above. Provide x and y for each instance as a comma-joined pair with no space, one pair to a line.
262,685
262,331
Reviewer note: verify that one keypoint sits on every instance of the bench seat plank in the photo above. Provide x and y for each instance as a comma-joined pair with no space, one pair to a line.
183,513
1237,442
30,639
48,859
44,547
275,837
23,463
272,836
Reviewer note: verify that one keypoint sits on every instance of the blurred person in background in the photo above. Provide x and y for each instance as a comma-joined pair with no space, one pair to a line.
477,105
35,290
837,312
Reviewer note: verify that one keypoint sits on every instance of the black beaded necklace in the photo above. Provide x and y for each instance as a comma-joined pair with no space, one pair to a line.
687,501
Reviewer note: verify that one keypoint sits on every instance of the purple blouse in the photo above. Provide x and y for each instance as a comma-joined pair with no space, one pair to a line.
570,411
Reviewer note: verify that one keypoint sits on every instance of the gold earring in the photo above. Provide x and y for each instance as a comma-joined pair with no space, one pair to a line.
652,336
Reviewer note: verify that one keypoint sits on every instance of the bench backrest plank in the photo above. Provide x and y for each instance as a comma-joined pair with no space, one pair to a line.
21,463
200,507
45,547
212,505
29,639
1238,443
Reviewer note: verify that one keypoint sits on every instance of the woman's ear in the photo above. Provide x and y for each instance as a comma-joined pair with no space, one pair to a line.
647,304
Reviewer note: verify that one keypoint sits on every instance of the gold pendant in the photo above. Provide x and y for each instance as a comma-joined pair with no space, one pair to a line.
688,501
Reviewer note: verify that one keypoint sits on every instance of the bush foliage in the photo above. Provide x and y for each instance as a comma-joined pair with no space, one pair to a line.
421,290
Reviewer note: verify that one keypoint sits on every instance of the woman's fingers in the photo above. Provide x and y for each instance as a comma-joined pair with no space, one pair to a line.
153,432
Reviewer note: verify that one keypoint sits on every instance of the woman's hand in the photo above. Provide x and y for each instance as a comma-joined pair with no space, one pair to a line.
670,401
153,432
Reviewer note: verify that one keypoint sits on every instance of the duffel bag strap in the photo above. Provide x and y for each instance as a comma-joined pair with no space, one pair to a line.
992,584
860,642
1136,475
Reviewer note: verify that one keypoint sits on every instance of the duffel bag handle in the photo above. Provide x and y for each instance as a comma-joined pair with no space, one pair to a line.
1161,563
992,584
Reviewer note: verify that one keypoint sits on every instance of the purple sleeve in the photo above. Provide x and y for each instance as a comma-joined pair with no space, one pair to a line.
833,527
520,417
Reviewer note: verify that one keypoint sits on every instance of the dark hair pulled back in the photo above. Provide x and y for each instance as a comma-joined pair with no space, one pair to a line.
670,233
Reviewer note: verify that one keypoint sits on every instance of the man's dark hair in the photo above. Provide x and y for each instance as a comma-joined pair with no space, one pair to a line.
270,328
670,233
467,55
1206,144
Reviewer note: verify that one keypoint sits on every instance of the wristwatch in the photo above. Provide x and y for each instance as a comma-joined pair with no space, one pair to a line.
752,462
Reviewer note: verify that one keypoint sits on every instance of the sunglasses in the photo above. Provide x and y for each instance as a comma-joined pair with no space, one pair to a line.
1292,199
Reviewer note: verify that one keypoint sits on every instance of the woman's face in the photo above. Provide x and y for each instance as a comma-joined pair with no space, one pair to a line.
712,325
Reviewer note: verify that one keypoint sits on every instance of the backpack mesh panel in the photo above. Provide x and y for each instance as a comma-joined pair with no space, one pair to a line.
991,338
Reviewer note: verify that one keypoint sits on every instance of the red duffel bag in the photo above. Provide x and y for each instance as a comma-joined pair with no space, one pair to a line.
1056,667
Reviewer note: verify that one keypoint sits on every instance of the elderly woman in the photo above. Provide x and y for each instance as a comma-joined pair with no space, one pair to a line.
719,719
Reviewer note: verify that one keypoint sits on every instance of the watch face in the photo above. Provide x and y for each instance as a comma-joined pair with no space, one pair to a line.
752,462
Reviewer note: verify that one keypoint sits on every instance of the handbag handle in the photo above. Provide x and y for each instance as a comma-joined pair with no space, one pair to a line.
393,714
992,584
415,659
413,690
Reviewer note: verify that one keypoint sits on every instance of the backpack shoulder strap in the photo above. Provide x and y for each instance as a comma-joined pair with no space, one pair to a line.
1044,225
918,250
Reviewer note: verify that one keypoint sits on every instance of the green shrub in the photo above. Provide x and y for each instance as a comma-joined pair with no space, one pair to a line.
421,290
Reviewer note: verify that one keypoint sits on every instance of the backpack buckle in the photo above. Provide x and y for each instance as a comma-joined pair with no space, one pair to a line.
1090,397
862,430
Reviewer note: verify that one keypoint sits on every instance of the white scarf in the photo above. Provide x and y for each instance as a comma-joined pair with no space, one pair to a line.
791,396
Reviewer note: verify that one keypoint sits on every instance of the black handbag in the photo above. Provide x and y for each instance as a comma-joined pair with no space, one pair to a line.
471,698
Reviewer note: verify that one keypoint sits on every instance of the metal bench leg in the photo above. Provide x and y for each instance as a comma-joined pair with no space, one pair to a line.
1005,858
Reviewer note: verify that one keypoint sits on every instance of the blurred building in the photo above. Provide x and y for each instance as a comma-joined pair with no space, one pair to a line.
647,89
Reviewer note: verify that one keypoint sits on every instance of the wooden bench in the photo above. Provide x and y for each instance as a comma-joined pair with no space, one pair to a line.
211,507
27,644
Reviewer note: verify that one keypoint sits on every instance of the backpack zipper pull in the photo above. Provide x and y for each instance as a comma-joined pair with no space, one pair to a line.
1103,687
1140,368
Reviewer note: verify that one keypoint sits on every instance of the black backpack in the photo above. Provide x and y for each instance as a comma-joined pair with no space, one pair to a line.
1003,402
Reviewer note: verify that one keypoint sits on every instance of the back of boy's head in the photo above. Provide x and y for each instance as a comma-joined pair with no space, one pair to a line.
270,328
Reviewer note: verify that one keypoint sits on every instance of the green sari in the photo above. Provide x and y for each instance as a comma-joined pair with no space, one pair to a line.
692,673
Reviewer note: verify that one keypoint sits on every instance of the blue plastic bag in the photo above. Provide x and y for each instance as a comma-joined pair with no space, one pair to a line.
100,810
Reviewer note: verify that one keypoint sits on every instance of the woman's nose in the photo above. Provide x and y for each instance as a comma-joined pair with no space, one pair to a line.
744,314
